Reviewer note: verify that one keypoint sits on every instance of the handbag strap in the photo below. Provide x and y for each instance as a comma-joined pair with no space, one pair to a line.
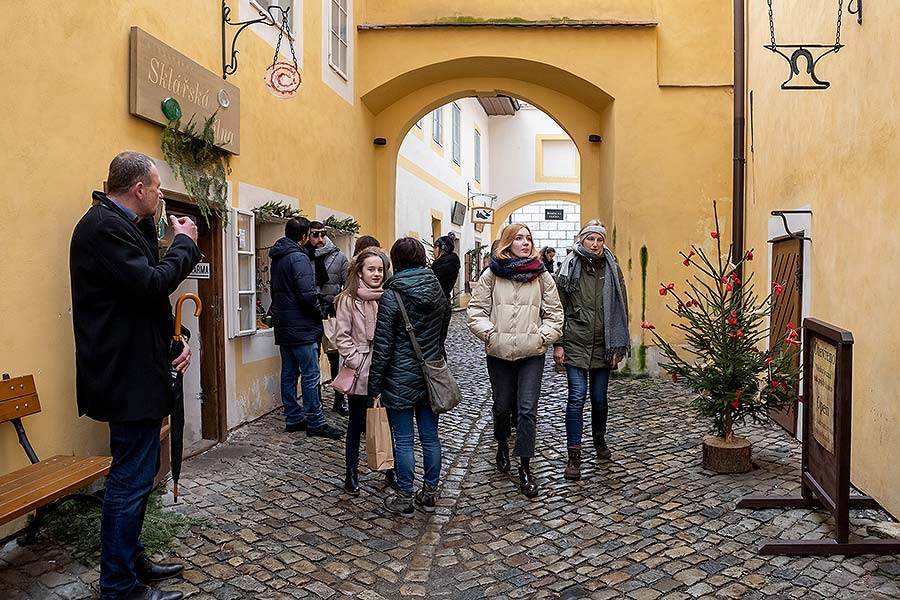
409,329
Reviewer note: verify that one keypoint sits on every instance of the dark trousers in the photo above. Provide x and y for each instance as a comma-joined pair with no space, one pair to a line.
356,425
334,362
516,383
134,446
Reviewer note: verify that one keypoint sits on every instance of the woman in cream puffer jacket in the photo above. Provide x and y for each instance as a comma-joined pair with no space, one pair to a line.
515,310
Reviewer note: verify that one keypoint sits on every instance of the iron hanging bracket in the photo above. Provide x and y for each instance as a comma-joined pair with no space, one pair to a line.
265,16
857,11
787,229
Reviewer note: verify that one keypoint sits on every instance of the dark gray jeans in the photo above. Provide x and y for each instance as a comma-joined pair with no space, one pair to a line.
516,383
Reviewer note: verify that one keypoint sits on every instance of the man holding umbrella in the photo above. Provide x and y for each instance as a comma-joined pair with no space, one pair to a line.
123,329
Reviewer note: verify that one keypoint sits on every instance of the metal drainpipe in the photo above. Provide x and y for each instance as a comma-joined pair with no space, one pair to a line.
737,218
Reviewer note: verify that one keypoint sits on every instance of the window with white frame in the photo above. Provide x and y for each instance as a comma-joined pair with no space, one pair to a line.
284,5
455,132
437,126
241,280
339,43
477,156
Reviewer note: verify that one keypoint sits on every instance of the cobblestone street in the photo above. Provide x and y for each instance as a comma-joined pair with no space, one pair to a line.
649,524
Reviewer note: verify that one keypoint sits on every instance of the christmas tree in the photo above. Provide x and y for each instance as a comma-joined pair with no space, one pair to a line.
724,323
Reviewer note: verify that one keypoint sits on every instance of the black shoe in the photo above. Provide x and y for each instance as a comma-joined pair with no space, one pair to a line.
351,482
400,503
390,478
340,405
426,498
292,427
503,456
526,481
325,431
142,592
148,571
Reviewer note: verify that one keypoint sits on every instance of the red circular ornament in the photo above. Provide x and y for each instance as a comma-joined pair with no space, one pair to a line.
283,80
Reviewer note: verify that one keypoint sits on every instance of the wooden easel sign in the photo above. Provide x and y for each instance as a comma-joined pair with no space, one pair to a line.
825,472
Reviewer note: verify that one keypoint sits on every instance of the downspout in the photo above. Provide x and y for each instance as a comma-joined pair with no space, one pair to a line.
737,218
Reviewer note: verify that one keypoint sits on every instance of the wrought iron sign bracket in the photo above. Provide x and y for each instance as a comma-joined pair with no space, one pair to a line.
265,16
787,229
857,11
471,194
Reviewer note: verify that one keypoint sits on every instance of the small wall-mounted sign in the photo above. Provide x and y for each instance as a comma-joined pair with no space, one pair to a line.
483,214
554,214
201,271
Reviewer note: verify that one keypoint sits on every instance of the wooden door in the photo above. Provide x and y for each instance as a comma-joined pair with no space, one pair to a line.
787,269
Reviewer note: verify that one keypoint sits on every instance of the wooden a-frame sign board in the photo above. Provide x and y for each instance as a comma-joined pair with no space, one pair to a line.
825,472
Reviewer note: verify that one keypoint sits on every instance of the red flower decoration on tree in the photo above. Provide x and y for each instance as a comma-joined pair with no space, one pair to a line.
674,378
750,255
648,326
714,235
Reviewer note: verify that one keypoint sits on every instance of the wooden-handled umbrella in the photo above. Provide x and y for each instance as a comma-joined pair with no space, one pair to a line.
176,422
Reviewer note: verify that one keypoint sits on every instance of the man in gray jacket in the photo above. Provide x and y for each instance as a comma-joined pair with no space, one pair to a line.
331,276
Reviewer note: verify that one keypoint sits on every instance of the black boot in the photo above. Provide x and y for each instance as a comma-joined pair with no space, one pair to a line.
142,592
526,480
603,452
148,571
573,468
351,482
503,456
340,405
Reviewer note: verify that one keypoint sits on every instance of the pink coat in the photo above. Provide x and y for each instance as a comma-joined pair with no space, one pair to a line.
354,331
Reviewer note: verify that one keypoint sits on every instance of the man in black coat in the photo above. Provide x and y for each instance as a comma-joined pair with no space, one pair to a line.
123,330
297,318
446,263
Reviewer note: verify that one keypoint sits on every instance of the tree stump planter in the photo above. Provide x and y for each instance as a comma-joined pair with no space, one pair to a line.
720,456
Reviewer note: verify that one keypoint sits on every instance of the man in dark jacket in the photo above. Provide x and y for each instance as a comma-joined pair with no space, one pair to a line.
331,276
446,263
123,330
297,319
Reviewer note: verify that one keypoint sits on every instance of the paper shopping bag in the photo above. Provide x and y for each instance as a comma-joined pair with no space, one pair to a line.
379,443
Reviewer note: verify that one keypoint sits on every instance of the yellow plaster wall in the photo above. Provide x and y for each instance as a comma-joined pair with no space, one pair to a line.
65,95
695,37
424,11
836,151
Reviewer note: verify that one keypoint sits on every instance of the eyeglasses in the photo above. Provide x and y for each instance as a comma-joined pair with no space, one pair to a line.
317,234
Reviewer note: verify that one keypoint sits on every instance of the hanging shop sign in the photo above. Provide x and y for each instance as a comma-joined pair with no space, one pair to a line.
166,84
825,468
483,214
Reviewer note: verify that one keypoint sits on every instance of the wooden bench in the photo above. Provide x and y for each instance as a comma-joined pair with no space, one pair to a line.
39,486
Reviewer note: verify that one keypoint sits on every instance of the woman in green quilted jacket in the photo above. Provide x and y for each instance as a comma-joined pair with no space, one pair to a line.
595,336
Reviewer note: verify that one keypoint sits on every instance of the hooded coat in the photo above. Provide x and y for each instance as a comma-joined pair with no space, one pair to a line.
295,307
396,373
446,268
331,272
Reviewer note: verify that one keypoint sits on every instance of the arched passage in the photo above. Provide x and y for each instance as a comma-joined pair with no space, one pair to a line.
400,102
503,212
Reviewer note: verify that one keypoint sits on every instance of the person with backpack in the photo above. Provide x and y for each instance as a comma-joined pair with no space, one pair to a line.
516,311
396,377
595,337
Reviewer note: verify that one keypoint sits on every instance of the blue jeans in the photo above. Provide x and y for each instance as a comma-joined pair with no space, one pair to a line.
134,446
297,360
404,460
575,405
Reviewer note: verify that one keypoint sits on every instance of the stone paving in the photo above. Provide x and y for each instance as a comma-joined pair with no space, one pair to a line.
649,524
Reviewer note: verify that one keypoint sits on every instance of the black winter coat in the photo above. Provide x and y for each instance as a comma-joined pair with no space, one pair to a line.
295,306
121,313
446,268
395,372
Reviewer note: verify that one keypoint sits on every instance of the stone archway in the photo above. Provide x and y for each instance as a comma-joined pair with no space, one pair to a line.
503,212
401,101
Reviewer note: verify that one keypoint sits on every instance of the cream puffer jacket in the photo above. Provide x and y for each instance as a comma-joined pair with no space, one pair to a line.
515,319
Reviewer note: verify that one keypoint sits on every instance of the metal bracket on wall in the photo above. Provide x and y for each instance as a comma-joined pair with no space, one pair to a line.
265,16
787,229
858,11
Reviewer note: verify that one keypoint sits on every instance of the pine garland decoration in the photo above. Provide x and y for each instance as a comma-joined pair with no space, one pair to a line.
201,165
724,321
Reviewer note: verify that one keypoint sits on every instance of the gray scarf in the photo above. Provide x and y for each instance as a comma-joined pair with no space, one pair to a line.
615,313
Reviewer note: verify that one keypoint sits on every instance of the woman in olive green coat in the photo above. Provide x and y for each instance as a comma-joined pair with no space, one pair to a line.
595,336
